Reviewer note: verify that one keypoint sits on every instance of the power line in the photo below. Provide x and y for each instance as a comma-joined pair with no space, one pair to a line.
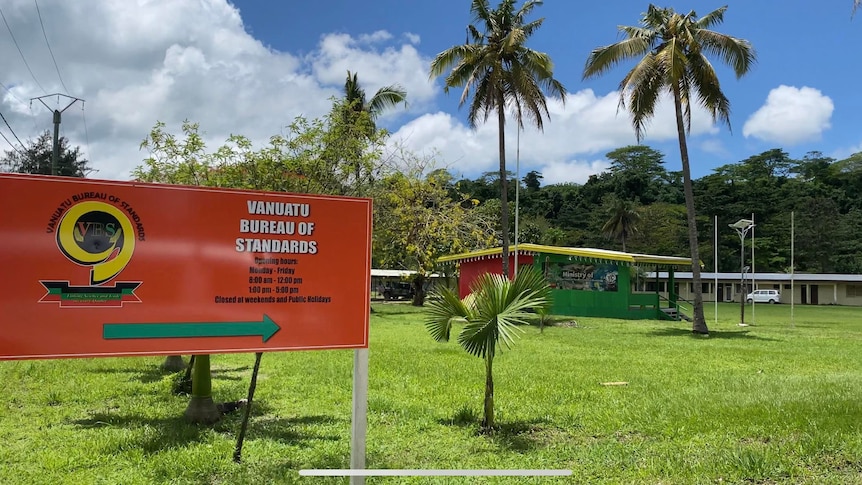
10,129
49,47
11,93
10,144
20,52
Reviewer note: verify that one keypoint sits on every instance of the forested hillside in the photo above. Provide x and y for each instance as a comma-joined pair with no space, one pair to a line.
823,193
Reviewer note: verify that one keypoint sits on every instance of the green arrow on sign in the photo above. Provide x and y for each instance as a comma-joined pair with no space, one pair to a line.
265,328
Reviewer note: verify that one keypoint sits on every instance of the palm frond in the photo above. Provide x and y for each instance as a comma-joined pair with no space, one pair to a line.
603,59
737,53
484,100
385,98
481,10
643,84
708,88
444,309
446,59
638,32
712,18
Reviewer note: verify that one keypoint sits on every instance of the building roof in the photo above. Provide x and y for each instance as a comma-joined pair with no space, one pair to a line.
397,273
582,253
837,278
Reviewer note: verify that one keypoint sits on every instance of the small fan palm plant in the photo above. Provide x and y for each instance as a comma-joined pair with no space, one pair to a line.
490,314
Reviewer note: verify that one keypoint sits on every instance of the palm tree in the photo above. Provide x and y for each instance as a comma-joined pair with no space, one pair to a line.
385,98
360,114
672,50
503,73
623,221
490,314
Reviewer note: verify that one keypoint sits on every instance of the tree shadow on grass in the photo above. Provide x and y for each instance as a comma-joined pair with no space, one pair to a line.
713,334
156,374
519,436
146,376
152,435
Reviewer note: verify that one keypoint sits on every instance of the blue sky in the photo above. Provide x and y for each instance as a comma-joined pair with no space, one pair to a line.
248,67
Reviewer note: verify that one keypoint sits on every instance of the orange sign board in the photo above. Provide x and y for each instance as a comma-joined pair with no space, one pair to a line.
98,268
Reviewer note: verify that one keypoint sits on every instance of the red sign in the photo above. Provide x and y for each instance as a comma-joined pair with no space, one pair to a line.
98,268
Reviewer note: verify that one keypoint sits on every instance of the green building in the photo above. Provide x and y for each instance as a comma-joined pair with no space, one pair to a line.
585,281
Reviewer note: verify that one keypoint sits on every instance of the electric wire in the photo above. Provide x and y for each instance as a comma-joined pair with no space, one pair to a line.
11,93
21,52
10,129
10,144
49,47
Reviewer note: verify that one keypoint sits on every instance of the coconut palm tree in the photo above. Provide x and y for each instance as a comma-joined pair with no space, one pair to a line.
672,49
503,73
623,221
385,98
490,314
360,114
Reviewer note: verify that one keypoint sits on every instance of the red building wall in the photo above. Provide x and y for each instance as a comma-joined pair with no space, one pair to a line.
470,270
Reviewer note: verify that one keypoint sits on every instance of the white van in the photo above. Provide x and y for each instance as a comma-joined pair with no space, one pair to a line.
764,296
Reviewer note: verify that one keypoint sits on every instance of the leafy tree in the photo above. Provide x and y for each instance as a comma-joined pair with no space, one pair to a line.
672,49
490,314
533,181
38,155
637,171
416,221
662,230
503,72
623,222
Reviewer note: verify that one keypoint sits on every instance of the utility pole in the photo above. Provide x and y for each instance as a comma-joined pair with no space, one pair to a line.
55,157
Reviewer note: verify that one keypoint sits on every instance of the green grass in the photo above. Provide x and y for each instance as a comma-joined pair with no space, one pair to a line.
768,403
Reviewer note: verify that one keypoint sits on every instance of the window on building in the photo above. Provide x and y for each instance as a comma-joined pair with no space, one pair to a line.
786,287
704,288
854,291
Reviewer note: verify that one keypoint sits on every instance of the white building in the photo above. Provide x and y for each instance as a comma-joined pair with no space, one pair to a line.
803,288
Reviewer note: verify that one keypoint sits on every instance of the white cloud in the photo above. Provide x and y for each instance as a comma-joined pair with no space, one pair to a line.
573,171
587,125
136,63
375,37
399,64
791,115
714,146
412,38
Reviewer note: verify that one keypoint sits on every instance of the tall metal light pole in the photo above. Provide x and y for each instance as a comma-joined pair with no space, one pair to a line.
517,194
742,227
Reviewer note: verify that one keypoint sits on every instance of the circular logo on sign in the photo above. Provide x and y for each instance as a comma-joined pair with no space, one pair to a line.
98,235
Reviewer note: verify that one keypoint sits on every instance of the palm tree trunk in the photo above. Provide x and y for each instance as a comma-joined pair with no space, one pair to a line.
698,324
504,186
488,422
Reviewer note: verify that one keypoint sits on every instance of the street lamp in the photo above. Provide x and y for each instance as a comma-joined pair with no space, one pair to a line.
742,227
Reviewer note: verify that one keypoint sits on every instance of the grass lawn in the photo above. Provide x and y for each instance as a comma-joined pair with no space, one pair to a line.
768,403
